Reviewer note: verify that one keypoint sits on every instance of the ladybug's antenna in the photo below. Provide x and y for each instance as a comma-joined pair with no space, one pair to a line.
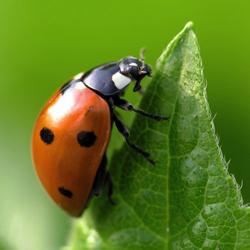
142,54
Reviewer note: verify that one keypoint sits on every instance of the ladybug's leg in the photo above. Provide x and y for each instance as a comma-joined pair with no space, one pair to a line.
109,183
103,178
123,104
124,131
100,177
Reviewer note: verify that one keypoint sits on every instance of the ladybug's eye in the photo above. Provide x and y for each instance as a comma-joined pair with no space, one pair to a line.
133,69
130,67
133,64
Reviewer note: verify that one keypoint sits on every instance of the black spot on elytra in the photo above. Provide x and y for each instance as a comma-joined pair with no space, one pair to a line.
86,139
65,192
65,87
46,135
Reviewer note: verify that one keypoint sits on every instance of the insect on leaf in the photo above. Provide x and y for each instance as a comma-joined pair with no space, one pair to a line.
188,200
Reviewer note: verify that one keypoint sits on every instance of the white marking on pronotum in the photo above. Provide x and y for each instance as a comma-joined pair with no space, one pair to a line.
120,80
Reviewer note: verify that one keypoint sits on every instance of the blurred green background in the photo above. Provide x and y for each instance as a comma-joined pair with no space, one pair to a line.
44,43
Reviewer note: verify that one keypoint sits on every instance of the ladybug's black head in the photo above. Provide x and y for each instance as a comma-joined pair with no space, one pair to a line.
135,69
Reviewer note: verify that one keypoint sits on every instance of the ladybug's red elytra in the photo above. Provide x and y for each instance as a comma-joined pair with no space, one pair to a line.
72,132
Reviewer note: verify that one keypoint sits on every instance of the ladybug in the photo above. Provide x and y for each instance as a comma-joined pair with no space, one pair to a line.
72,132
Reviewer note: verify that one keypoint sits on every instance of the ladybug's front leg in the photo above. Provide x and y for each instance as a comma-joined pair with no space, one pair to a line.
125,105
124,131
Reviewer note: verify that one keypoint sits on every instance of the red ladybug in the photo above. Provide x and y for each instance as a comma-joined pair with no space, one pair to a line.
72,132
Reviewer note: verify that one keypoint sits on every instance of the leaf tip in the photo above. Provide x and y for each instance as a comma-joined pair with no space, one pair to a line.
178,39
189,25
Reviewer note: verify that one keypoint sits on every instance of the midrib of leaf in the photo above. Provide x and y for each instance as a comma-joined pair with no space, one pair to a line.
161,62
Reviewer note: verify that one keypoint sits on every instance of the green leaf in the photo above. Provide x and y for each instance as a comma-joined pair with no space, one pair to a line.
187,200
